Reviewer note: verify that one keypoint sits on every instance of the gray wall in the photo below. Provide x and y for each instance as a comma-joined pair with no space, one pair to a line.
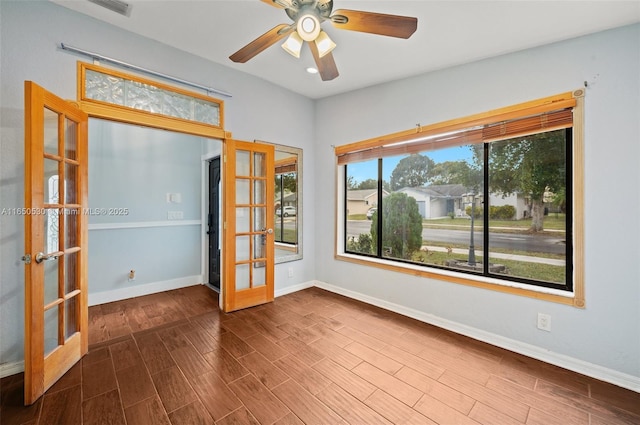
134,168
607,332
31,32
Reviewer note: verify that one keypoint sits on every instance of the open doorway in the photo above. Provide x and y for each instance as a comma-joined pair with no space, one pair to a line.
148,219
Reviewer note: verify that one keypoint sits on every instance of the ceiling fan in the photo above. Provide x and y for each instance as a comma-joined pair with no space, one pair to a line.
307,17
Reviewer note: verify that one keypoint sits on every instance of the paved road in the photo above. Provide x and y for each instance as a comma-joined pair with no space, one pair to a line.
530,243
289,222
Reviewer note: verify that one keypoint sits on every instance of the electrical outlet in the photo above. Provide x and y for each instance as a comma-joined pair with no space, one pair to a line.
544,322
175,215
290,271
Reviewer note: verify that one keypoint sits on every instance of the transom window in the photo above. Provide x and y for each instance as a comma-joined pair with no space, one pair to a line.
487,200
105,92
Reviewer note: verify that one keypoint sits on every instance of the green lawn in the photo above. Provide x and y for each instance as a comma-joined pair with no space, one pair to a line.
535,271
289,235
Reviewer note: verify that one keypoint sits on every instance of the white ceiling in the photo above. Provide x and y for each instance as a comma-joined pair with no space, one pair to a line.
449,33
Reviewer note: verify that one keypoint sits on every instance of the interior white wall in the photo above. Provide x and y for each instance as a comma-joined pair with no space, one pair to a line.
606,333
30,36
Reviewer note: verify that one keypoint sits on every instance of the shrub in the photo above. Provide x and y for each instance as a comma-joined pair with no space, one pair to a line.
479,211
504,212
401,226
363,244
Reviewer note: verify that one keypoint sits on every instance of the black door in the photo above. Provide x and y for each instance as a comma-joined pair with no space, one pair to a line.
214,222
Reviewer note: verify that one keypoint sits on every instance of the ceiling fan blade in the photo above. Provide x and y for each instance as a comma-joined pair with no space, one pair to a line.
280,4
326,65
374,23
261,43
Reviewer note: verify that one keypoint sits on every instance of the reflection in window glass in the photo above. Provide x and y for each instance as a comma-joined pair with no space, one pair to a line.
286,229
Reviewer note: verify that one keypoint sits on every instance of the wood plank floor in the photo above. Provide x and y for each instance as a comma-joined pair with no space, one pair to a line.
311,357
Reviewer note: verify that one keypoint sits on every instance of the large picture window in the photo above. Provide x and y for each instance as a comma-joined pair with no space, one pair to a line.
491,197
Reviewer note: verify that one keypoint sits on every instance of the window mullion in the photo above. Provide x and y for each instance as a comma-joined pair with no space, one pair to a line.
485,210
379,211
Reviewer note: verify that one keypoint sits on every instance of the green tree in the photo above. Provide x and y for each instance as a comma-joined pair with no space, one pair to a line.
367,184
531,165
290,182
412,171
286,182
560,199
401,226
450,172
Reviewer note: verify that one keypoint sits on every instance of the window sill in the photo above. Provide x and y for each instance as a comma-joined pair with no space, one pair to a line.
514,288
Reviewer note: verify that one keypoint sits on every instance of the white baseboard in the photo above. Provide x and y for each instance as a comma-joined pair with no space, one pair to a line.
580,366
9,369
294,288
140,290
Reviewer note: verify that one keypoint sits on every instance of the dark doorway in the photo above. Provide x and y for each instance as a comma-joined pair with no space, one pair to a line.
214,223
450,206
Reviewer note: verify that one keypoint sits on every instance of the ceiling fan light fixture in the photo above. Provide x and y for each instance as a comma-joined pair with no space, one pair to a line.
293,45
324,44
308,27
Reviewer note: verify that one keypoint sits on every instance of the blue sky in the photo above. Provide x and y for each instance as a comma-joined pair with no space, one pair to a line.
369,169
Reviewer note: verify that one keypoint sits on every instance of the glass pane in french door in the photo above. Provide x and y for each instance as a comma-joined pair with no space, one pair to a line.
50,132
70,142
51,181
259,169
51,329
70,272
70,317
243,276
51,246
70,179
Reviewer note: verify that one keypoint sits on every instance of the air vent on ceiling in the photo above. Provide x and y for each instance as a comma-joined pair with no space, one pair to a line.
114,5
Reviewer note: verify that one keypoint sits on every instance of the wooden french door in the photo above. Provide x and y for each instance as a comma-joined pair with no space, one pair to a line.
248,230
56,313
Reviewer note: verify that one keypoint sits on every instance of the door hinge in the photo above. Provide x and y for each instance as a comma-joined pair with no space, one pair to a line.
225,226
224,158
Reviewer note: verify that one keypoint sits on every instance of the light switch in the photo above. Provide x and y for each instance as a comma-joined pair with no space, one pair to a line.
174,198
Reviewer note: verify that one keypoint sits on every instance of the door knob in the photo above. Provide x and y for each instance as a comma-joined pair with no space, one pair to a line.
40,257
